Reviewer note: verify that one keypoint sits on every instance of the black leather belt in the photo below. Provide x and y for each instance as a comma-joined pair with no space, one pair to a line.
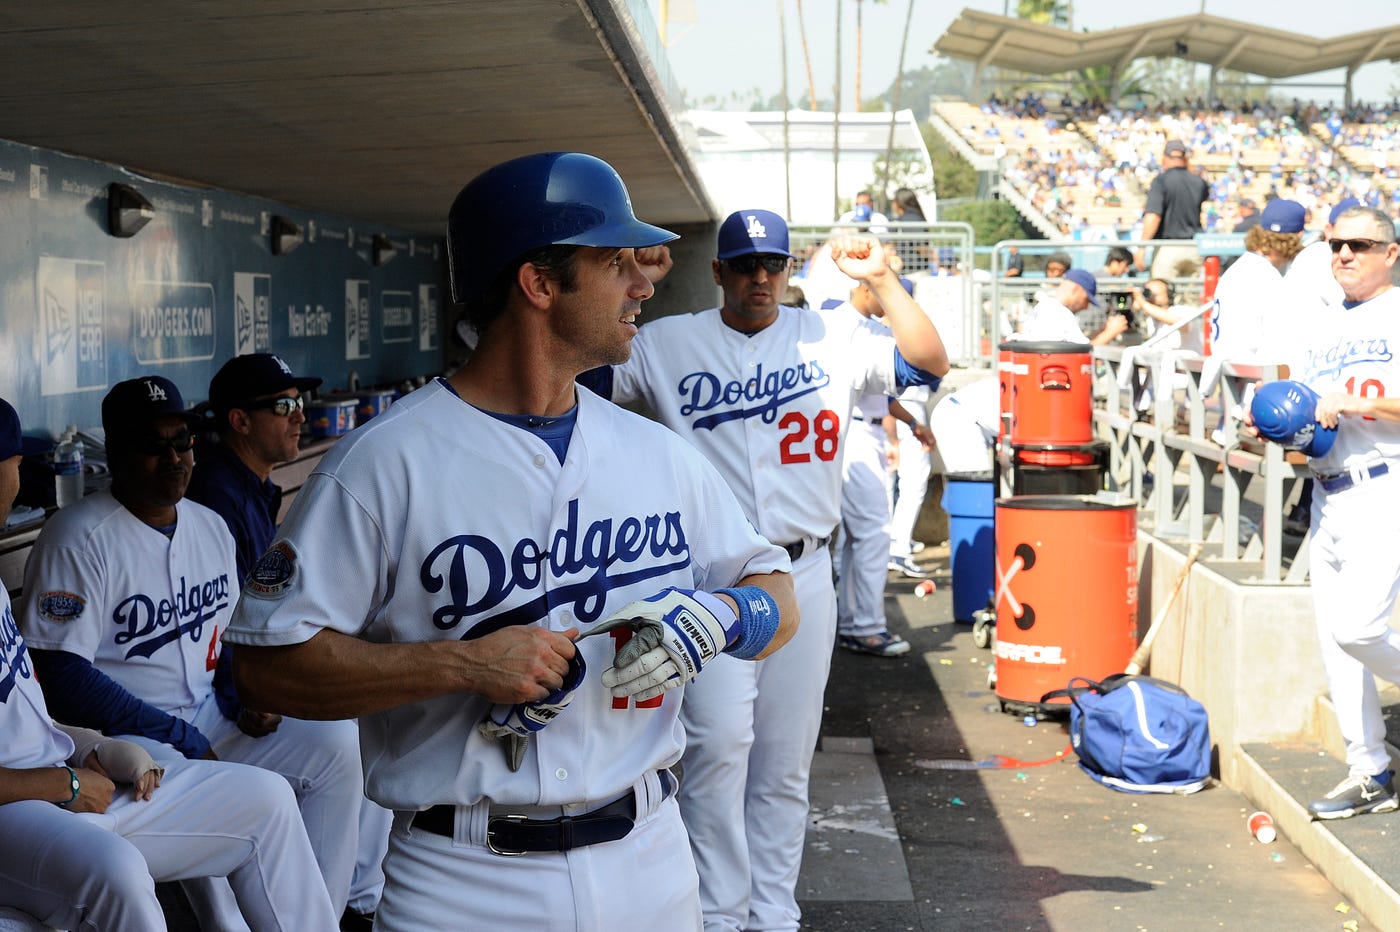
1341,481
797,548
511,835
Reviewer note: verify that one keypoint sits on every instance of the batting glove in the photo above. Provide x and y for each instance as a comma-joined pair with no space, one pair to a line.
527,718
675,633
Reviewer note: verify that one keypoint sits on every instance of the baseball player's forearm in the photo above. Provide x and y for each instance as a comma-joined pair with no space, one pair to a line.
917,338
45,784
779,586
336,676
80,694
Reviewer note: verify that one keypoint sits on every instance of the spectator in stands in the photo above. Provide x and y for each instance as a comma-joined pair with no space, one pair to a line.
1057,264
1173,211
1248,216
1054,316
163,568
912,248
257,405
864,215
1015,262
1119,264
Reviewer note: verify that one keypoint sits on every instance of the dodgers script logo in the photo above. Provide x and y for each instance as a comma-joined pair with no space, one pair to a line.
1333,359
148,625
611,552
14,658
759,396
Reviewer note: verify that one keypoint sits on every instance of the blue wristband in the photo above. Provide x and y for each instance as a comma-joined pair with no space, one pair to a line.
758,620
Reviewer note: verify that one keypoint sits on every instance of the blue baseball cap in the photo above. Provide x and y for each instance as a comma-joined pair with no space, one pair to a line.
1346,203
11,439
1085,279
131,407
1283,216
746,232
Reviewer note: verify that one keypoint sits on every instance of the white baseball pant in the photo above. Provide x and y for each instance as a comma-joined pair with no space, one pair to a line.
751,729
1355,568
89,870
865,532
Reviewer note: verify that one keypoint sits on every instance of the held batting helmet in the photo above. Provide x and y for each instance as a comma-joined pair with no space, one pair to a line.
1285,412
546,199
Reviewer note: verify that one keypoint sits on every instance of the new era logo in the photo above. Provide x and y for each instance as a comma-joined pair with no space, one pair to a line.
756,229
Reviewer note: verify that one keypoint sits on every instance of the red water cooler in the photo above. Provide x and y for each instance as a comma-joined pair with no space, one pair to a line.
1066,598
1053,450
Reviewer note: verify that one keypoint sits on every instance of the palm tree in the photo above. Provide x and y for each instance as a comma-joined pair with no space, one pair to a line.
860,38
807,58
894,99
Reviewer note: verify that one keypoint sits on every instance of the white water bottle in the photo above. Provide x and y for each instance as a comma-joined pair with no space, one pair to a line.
68,468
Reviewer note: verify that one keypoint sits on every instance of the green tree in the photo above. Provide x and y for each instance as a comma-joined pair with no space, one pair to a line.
991,221
953,176
1045,12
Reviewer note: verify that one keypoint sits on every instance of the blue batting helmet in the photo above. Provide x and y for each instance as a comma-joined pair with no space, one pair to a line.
550,198
1285,412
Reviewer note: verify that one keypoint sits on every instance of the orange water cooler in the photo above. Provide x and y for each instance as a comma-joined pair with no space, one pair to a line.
1053,450
1066,597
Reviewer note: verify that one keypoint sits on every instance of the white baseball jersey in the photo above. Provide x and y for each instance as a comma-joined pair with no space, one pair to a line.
1051,321
30,738
1309,280
1253,318
1348,350
437,520
145,609
769,410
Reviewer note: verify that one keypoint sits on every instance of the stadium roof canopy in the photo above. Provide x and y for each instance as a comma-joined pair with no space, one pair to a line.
1015,44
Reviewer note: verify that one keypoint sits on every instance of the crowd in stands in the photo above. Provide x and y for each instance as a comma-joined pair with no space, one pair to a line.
1085,165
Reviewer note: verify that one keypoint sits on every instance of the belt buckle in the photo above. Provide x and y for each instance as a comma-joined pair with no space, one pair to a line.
490,841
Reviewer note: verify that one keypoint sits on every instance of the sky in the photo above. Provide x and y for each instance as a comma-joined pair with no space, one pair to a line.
732,44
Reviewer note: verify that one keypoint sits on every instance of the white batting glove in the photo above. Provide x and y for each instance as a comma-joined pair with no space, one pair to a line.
675,633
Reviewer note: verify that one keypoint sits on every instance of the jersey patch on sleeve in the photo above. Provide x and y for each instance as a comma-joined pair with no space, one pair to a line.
274,573
61,606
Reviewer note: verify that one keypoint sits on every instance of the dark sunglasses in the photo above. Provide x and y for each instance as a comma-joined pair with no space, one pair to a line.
1357,246
182,442
282,407
747,265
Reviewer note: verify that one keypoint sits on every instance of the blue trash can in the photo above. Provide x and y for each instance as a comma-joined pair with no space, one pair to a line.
969,498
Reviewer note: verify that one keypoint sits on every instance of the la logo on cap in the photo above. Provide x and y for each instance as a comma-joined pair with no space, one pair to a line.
282,365
155,392
756,229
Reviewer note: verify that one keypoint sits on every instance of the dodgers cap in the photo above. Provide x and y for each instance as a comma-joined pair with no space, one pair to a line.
1346,203
11,438
1084,279
1283,216
131,407
254,375
753,231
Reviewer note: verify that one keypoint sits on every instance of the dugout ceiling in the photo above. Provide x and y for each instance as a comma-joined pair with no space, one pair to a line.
1018,45
379,109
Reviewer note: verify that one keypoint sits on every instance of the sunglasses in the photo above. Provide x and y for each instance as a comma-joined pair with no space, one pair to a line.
182,442
1357,246
747,265
282,407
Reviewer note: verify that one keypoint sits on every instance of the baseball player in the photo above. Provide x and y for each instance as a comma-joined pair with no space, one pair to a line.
1355,558
863,538
764,392
126,594
1250,320
89,822
258,412
907,486
442,573
965,424
1053,317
